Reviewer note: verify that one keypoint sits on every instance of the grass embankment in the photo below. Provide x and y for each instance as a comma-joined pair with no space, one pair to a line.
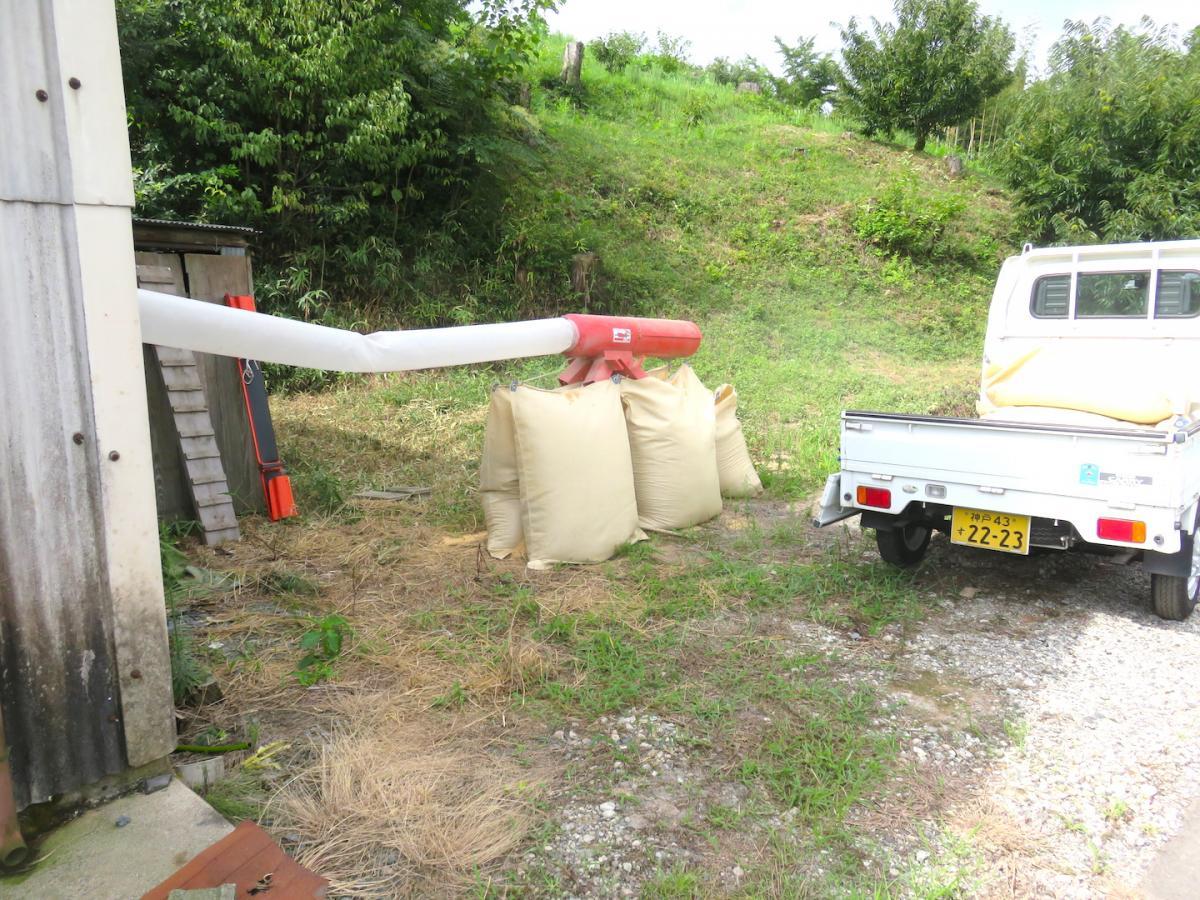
701,203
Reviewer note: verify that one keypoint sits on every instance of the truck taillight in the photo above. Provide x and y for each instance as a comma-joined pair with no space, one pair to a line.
1124,530
873,496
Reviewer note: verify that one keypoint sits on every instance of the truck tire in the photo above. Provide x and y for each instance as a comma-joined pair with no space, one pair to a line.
1174,596
903,546
1172,600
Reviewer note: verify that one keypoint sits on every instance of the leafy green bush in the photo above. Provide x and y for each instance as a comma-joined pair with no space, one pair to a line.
323,643
364,139
809,77
935,65
618,49
902,221
695,109
671,53
1108,147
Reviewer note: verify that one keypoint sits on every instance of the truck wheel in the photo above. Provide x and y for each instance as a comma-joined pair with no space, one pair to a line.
1175,596
904,545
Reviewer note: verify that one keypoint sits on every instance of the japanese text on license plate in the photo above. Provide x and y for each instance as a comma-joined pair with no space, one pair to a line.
1006,532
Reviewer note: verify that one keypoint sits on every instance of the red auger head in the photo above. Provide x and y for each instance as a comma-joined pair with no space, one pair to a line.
617,345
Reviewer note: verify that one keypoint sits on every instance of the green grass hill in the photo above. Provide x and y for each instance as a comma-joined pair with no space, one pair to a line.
827,271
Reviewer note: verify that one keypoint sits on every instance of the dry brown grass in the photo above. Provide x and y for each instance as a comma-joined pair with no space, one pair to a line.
389,809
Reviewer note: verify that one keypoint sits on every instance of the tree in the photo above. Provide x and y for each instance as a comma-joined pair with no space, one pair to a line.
353,133
809,77
618,49
722,71
1107,148
933,67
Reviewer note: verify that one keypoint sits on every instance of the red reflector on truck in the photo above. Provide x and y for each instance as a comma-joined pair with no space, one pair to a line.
1123,530
872,496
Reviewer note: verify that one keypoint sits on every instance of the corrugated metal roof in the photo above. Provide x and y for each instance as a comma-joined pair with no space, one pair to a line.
196,226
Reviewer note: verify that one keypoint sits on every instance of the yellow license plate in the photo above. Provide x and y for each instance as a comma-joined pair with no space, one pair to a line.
1005,532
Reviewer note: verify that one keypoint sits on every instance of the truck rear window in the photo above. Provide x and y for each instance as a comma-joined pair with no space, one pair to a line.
1112,295
1177,295
1117,295
1051,297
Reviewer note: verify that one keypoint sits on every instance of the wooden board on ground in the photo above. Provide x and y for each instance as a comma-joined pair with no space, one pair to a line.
249,859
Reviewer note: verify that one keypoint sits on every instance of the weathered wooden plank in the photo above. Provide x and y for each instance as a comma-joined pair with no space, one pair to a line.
210,492
215,518
187,240
188,401
194,424
182,378
246,857
205,469
155,275
205,477
163,272
170,486
221,536
174,356
210,278
199,447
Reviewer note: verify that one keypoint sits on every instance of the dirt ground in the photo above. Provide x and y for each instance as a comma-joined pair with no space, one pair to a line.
756,709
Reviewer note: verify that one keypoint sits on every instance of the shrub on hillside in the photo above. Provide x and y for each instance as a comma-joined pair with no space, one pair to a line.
722,71
901,221
618,49
1108,147
671,53
360,138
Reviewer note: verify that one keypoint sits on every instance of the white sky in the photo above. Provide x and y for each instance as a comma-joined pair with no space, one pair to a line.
734,28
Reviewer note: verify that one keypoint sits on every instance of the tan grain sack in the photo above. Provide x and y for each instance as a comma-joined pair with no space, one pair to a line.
499,488
736,470
1121,380
576,476
672,437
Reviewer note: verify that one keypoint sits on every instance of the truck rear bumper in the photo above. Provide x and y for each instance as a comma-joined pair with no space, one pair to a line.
1163,526
831,509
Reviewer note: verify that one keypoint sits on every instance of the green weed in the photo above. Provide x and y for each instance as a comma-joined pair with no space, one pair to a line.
324,642
822,756
238,797
1017,731
455,697
677,883
188,671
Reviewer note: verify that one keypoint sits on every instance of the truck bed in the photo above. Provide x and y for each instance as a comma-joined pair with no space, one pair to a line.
1063,472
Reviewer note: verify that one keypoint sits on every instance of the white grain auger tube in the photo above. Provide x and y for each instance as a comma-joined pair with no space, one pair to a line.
617,342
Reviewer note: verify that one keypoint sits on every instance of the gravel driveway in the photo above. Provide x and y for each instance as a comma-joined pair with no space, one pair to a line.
1045,720
1096,696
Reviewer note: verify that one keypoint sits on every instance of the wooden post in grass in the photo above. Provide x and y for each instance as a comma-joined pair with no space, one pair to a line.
584,267
572,63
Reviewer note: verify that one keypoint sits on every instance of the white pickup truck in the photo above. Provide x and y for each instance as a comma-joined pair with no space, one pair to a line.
1054,473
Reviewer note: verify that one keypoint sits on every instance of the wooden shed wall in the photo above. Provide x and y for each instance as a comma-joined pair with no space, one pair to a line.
203,276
